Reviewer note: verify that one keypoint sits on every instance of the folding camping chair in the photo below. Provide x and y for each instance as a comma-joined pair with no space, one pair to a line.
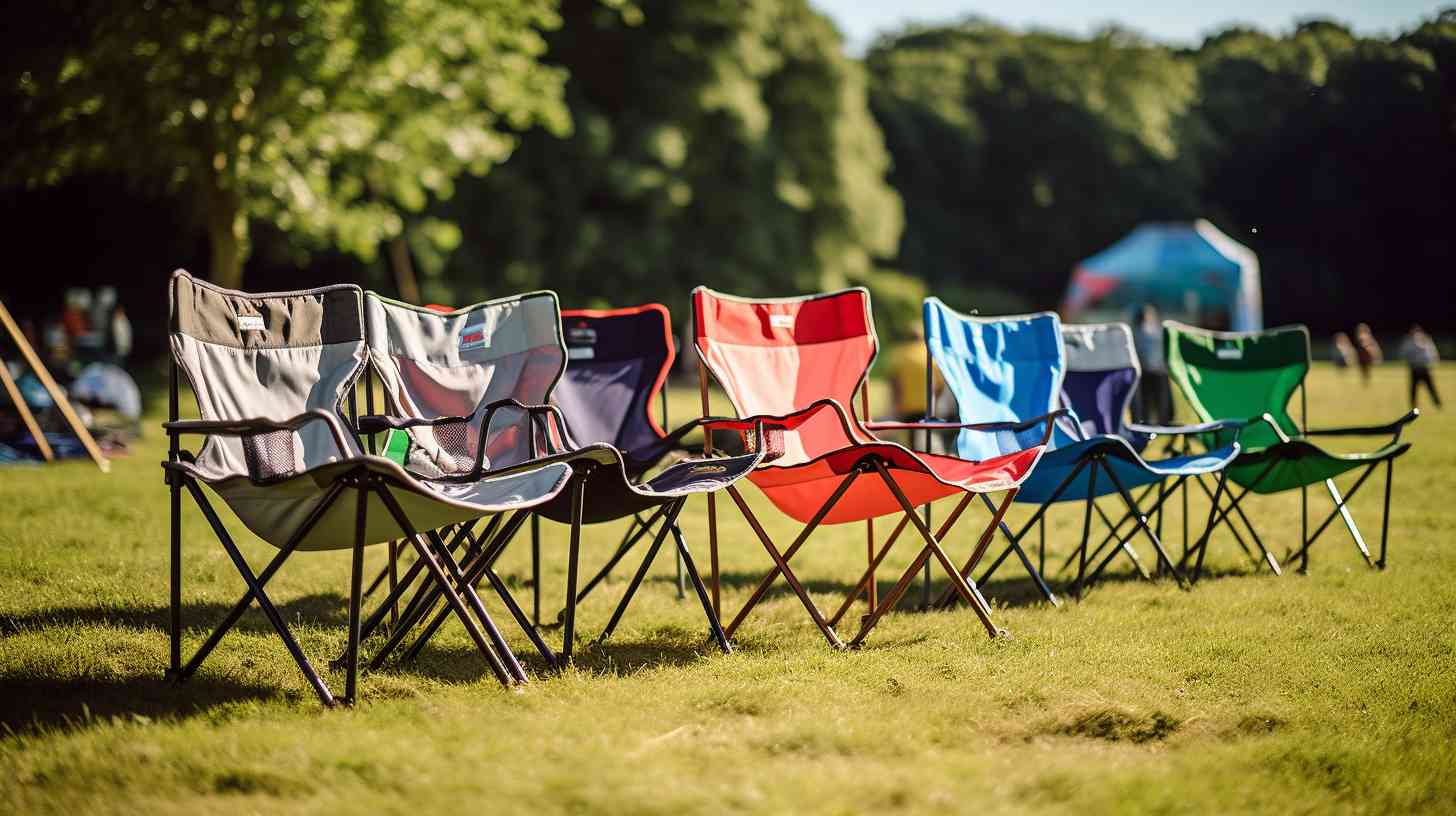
1008,367
486,372
792,365
1256,374
270,372
617,364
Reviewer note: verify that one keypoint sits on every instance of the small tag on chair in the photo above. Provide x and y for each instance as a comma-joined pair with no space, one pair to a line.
580,352
474,337
1230,353
781,321
248,323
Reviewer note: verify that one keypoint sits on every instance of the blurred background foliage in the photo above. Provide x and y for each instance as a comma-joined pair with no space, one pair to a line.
621,151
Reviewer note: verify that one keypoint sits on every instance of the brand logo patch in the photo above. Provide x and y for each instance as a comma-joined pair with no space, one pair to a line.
474,337
1230,353
781,321
581,334
580,352
251,323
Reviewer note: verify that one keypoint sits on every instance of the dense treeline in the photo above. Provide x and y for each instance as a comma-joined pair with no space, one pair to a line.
1331,155
625,151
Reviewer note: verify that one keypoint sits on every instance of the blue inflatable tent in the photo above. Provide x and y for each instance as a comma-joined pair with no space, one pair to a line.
1184,269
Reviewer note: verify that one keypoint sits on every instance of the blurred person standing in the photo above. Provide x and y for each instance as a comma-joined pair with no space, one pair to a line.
1419,352
1154,397
121,337
1342,351
1367,351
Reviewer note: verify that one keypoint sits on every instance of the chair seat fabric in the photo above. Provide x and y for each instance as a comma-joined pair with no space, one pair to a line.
274,510
1301,463
799,490
1130,468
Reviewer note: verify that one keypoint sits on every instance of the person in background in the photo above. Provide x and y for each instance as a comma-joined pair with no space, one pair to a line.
1154,398
1367,351
74,317
1342,351
1419,352
120,334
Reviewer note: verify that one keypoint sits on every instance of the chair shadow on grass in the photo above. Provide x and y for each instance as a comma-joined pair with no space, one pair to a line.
321,608
28,705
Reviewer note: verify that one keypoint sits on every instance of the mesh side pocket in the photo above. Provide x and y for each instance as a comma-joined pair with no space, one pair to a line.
457,447
271,454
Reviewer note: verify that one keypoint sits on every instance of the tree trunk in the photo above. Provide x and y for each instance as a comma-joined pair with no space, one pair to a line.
405,281
227,233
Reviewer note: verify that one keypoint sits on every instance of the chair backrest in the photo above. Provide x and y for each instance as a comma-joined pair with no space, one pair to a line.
617,363
1240,375
436,363
999,369
777,356
1102,375
266,356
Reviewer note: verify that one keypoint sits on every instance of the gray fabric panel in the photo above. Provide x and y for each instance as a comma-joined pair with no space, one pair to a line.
234,383
1098,346
434,364
332,314
273,512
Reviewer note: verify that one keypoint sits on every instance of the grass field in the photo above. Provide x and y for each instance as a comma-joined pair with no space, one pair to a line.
1332,691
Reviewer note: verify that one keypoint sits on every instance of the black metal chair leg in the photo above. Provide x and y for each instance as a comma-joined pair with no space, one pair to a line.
536,569
264,603
628,542
641,573
715,626
1385,516
1086,531
573,559
1142,521
467,592
356,579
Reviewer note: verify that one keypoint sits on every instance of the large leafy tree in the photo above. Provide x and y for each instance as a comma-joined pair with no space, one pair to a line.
725,142
332,120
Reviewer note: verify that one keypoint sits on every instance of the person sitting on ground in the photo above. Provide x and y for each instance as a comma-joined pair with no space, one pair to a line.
1419,352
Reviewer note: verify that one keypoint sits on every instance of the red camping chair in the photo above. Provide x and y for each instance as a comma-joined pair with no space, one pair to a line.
794,364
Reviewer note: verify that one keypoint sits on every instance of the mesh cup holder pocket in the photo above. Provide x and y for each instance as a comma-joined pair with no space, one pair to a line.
271,454
455,443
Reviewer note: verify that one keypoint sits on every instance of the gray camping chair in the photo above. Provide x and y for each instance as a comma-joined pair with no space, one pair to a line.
270,373
486,371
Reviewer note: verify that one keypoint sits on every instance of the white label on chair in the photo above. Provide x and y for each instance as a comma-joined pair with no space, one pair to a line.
1231,353
251,323
474,337
781,321
580,353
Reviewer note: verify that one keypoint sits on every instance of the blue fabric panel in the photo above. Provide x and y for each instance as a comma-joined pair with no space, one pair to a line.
1098,398
999,370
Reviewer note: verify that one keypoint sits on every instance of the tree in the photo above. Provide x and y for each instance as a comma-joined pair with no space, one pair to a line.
329,119
720,142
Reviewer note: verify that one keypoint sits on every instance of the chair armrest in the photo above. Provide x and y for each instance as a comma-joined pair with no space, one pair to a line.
1181,430
244,427
376,423
1373,430
769,429
948,425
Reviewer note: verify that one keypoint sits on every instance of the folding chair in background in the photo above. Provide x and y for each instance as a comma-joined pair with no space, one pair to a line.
617,365
793,365
1255,374
270,373
1015,366
468,392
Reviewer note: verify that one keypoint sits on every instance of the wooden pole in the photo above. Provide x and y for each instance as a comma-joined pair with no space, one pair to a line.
54,390
25,415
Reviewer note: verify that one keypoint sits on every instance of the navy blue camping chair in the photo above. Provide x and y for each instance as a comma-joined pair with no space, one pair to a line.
1025,365
617,366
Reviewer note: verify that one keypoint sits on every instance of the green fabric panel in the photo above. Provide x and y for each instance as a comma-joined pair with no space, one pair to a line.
1299,463
1239,376
396,446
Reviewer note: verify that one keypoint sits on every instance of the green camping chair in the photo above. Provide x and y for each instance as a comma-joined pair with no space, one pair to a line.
1254,375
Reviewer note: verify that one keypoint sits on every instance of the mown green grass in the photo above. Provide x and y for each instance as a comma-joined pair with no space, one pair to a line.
1331,691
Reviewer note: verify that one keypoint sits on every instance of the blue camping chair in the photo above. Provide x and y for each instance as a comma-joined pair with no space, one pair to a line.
1013,367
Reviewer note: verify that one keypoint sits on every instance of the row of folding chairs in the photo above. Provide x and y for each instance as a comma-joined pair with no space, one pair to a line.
503,413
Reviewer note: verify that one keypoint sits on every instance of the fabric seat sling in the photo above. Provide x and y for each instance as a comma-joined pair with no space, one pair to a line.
487,371
1256,375
792,365
270,372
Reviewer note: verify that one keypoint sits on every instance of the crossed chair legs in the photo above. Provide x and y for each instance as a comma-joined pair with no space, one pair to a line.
438,562
932,548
